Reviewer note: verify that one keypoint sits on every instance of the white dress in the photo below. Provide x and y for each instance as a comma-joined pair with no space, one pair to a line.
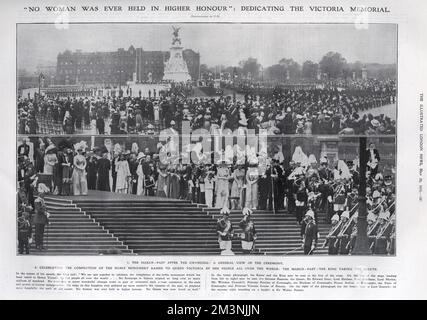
122,169
140,186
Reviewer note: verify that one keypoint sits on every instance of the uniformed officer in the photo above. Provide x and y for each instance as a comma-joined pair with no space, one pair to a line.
391,246
332,235
345,232
225,230
24,233
248,235
309,233
352,242
40,220
383,233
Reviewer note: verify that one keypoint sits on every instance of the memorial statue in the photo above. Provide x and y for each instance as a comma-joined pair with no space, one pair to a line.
176,69
175,34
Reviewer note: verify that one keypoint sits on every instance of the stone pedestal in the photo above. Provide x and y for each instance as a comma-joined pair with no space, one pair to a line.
176,69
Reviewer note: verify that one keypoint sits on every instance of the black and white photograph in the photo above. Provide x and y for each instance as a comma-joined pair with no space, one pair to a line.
143,78
98,195
206,139
239,151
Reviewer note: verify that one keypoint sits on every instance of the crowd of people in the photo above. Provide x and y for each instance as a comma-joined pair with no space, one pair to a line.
307,188
334,108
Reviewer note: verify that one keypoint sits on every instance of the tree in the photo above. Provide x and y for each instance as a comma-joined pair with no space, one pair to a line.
250,67
291,67
333,64
275,72
309,69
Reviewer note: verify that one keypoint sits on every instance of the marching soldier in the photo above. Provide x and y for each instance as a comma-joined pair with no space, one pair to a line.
373,225
391,245
24,233
352,199
383,233
352,242
309,233
225,230
40,220
340,201
249,235
41,216
345,232
332,235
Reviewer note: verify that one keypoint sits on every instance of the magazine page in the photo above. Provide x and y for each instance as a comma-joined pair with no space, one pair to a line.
216,150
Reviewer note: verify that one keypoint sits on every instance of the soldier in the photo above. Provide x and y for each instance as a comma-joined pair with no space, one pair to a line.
340,201
352,242
391,244
373,225
224,230
345,232
24,233
352,199
309,233
289,187
332,236
40,220
301,198
249,235
385,227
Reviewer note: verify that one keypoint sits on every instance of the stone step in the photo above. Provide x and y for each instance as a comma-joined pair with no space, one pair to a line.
70,219
75,229
131,211
136,204
88,224
59,204
84,242
57,200
82,237
139,209
77,252
75,246
63,209
132,201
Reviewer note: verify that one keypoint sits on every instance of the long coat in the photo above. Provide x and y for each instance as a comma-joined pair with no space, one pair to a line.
103,169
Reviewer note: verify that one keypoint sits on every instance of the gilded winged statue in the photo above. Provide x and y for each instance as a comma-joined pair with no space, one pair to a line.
175,31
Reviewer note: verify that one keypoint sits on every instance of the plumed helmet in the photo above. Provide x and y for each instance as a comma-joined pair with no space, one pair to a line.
310,213
371,217
345,214
376,194
246,211
42,188
225,211
227,252
384,215
335,217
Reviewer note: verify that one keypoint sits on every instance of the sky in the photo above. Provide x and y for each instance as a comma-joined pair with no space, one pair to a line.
218,44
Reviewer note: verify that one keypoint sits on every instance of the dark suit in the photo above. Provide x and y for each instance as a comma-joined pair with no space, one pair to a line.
373,157
309,231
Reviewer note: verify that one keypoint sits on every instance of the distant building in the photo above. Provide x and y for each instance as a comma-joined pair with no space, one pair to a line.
117,67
